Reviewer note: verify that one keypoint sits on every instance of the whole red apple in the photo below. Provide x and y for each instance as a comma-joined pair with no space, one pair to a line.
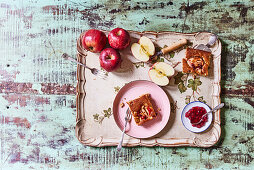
119,38
94,40
109,59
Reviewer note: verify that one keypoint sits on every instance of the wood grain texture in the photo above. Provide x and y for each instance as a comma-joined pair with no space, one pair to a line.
37,87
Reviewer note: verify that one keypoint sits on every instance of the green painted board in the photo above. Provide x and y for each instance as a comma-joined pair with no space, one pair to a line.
37,86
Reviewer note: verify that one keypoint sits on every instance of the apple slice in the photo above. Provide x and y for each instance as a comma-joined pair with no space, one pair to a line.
160,72
147,45
143,49
139,53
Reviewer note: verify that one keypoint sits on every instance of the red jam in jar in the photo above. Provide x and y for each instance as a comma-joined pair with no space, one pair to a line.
195,114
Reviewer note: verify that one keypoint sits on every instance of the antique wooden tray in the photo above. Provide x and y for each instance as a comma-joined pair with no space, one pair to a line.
95,123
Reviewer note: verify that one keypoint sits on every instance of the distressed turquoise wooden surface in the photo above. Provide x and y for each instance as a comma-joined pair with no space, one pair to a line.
37,87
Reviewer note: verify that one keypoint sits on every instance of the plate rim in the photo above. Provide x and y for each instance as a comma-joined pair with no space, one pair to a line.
160,89
182,116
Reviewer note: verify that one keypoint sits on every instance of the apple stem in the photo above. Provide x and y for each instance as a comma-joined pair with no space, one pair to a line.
118,33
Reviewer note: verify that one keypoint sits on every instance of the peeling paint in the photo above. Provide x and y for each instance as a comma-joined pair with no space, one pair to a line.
37,87
19,122
12,87
52,88
23,100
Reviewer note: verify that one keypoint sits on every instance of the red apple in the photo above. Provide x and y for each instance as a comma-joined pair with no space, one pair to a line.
119,38
109,59
94,40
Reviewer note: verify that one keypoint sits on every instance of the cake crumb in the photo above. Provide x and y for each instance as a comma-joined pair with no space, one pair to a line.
122,105
159,109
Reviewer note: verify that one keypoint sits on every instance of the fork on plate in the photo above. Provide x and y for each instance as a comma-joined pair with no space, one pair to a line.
100,73
127,119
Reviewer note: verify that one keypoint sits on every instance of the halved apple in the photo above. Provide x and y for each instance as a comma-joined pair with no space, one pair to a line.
147,45
160,72
143,49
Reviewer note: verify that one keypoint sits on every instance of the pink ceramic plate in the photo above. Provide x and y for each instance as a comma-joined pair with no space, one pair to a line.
160,102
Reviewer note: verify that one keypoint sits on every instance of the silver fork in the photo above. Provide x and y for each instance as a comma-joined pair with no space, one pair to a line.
100,73
214,109
127,119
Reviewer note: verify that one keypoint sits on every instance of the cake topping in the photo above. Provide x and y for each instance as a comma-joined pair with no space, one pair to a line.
196,62
142,109
122,105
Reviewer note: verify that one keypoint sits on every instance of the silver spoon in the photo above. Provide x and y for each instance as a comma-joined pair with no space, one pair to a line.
214,109
213,38
127,119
